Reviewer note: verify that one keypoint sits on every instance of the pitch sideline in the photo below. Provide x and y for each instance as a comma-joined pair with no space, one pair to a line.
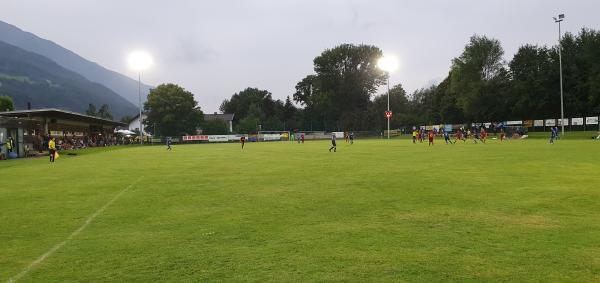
72,235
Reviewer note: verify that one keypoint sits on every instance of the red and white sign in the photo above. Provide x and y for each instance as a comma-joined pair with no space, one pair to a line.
388,114
195,138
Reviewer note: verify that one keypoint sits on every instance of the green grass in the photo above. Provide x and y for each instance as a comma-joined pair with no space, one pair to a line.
376,211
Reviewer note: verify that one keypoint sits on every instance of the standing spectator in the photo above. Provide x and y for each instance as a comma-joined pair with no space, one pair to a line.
10,144
52,149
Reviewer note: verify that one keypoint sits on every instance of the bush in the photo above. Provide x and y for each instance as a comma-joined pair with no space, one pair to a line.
215,127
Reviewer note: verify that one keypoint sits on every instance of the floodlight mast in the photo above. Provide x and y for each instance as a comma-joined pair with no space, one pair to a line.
388,64
140,106
558,20
139,61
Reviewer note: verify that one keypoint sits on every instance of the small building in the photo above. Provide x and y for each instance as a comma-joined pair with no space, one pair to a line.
37,124
228,118
134,124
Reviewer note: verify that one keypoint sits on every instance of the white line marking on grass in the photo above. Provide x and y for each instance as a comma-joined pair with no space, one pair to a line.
73,235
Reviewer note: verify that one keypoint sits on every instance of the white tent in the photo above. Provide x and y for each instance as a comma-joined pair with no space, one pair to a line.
125,132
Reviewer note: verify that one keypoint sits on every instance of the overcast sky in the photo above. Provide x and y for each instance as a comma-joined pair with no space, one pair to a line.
217,48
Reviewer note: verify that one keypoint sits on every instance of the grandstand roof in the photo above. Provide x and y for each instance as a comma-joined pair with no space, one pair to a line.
59,113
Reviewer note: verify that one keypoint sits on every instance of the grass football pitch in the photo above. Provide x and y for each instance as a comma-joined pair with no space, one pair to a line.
375,211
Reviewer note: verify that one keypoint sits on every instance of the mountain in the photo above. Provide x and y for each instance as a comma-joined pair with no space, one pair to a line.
29,77
122,85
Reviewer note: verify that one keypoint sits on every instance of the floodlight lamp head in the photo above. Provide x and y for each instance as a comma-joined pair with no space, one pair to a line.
140,60
388,63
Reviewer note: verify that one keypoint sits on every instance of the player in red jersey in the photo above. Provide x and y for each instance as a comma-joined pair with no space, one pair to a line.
243,141
459,135
502,135
430,136
483,135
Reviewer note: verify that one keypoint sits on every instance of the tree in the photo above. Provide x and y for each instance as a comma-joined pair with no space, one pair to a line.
581,72
215,127
248,125
104,112
339,93
91,111
289,115
398,105
534,83
257,105
126,119
173,110
479,79
6,103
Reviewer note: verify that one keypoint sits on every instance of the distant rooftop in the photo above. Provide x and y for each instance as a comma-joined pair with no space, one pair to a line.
217,116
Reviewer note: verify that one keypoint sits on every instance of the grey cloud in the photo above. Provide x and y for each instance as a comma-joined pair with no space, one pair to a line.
217,48
190,52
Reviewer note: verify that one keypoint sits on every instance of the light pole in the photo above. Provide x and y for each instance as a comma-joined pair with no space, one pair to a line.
561,17
140,105
388,64
388,105
139,61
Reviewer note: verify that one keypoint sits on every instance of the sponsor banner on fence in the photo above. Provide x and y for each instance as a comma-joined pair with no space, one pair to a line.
339,135
448,127
276,137
513,123
235,137
195,138
538,123
591,120
550,122
528,123
56,133
217,138
577,121
563,122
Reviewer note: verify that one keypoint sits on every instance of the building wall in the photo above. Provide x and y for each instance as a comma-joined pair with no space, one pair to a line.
135,124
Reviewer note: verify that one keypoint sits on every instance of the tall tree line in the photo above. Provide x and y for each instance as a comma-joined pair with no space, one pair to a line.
481,86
